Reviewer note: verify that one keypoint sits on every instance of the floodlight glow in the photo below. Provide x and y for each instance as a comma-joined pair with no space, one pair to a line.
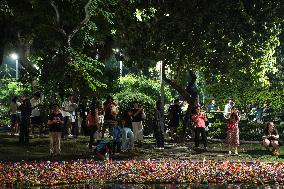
14,56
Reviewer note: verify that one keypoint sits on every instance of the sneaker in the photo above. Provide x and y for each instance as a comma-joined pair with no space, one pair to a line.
107,156
230,152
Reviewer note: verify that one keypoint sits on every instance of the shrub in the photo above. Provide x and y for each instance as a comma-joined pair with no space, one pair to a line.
125,100
249,131
146,91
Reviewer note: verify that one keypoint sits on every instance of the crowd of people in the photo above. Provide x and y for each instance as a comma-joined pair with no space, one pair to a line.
73,117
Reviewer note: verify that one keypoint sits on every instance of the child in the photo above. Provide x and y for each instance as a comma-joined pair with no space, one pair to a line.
103,150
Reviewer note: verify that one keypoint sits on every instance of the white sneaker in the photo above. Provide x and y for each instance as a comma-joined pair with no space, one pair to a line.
230,152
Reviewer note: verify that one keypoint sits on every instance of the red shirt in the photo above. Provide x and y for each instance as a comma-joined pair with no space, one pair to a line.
199,120
91,120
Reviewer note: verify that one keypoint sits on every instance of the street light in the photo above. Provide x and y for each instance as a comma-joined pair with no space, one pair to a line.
119,57
15,57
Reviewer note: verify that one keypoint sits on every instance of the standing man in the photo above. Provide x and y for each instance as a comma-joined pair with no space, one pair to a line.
35,116
228,107
127,142
138,115
66,113
14,115
26,110
213,106
83,112
175,114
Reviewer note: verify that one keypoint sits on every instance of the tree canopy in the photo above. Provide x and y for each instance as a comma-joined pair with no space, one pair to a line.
230,45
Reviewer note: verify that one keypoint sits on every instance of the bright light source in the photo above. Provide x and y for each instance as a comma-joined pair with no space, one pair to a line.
14,56
36,67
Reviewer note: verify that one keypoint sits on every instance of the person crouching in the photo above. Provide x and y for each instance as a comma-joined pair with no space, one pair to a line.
103,149
270,138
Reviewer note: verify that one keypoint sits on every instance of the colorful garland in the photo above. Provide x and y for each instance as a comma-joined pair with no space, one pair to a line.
150,171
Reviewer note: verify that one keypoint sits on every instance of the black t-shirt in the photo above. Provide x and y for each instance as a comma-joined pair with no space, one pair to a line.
26,108
175,111
138,116
55,127
128,120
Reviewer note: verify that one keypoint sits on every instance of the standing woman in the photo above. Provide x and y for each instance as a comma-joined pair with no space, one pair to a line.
138,115
159,126
233,130
92,122
55,122
110,110
199,125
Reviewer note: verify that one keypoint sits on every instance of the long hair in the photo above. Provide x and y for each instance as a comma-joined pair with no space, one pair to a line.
267,126
233,115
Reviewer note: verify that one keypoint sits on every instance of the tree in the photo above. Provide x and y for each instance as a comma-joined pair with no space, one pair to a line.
223,40
63,38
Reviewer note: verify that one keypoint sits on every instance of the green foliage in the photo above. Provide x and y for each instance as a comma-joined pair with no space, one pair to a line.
144,90
8,89
151,88
126,99
87,69
244,92
249,131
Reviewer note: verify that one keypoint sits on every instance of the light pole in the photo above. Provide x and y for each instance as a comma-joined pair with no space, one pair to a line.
15,57
119,56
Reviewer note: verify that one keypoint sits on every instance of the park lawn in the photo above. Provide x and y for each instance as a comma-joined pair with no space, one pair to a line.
38,150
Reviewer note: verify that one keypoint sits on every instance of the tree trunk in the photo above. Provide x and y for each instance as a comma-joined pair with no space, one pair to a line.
23,50
191,96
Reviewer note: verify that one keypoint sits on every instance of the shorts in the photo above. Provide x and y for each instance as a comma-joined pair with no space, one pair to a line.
36,120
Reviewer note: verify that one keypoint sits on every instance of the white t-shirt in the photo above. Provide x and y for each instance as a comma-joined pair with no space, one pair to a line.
35,110
66,105
227,110
69,108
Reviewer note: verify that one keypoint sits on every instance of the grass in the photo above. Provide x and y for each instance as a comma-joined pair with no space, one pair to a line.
38,149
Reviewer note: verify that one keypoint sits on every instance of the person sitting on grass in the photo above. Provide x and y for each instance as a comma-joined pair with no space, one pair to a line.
270,138
103,150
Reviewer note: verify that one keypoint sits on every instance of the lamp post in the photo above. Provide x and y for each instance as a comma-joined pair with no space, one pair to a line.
119,57
15,57
159,67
